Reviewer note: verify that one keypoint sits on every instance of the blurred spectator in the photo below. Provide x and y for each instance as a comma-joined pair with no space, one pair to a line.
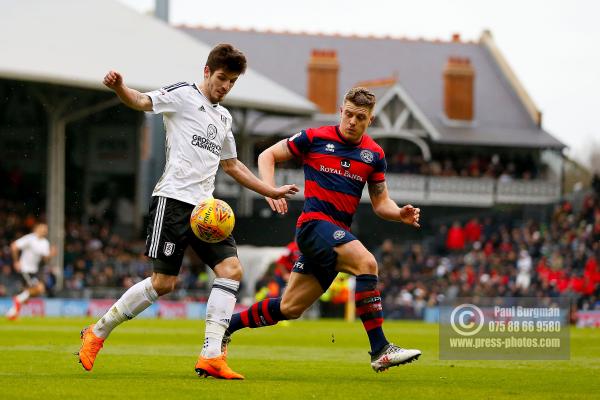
596,184
284,265
524,265
473,231
456,237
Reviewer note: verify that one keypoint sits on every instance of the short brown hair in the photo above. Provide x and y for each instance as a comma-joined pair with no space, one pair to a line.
225,56
360,96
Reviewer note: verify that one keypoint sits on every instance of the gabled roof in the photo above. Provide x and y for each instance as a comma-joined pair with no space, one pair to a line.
75,42
500,115
461,133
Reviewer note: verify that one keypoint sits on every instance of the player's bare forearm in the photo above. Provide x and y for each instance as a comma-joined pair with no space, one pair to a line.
130,97
14,251
238,171
386,208
279,152
134,99
266,167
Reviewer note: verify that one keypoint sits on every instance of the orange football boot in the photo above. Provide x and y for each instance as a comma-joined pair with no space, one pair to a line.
15,310
216,367
90,346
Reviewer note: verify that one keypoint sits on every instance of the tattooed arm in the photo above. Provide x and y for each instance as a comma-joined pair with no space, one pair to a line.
386,208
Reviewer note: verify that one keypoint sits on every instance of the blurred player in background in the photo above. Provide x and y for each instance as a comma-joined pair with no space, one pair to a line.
277,275
338,162
285,264
198,139
27,254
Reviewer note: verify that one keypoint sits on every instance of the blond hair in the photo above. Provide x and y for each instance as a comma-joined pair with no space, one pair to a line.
361,97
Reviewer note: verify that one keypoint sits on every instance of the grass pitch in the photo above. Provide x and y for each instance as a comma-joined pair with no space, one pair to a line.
154,359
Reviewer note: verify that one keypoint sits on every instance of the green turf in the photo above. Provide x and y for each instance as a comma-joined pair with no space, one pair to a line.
154,359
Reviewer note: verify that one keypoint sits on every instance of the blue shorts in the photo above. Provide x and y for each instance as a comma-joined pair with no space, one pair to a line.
316,241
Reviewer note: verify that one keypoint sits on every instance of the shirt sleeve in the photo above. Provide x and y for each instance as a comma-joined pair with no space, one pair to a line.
23,242
45,249
229,150
378,174
167,99
299,144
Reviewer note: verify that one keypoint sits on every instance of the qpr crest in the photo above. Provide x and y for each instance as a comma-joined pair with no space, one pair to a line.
169,248
337,235
211,132
366,156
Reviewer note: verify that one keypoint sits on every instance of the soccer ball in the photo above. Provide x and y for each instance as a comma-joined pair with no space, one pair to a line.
212,220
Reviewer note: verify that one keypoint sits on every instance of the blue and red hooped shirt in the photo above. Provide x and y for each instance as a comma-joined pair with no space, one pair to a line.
335,173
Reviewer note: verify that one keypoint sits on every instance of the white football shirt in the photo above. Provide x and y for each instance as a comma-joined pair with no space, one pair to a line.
33,248
198,137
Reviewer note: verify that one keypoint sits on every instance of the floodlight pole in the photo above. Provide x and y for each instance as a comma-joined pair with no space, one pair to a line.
55,192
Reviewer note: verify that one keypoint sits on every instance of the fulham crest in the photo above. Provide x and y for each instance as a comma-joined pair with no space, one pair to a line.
169,249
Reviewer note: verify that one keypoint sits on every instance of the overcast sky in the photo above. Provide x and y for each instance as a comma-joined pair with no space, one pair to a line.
553,45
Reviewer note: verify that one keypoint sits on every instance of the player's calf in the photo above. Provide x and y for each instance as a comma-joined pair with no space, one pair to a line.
264,313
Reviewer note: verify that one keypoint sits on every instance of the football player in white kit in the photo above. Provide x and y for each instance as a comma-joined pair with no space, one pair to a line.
27,253
199,139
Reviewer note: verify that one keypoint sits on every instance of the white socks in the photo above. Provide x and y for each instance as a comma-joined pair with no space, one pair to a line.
135,300
141,295
23,296
218,314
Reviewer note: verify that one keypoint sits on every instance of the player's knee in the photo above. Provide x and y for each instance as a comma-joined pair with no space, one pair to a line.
369,265
292,311
164,285
235,273
230,268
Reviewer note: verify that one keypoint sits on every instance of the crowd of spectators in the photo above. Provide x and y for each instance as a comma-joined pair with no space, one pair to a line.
487,257
95,257
491,258
475,167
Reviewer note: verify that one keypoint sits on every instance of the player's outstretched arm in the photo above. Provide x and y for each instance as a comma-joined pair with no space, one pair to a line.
130,97
51,254
279,152
238,171
14,251
387,208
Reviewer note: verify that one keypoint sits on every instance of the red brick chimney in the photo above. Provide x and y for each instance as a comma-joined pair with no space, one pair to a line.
459,78
323,70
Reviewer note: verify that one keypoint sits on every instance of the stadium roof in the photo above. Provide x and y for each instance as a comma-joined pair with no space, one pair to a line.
75,42
504,113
